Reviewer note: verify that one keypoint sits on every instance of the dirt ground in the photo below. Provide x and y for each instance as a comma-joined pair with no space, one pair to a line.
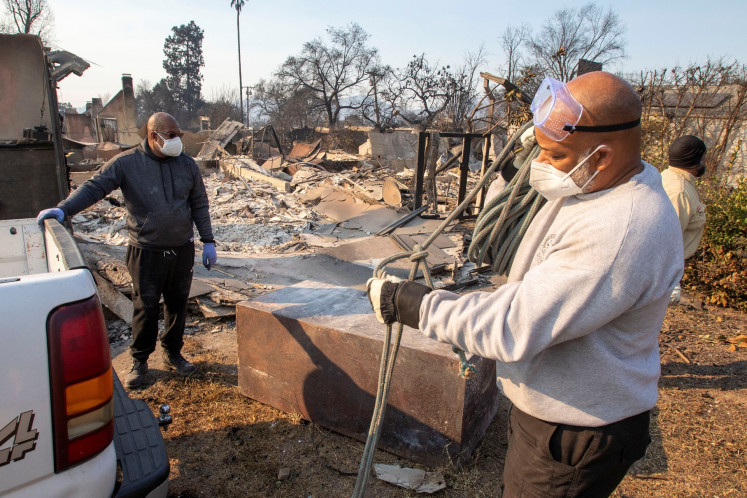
224,444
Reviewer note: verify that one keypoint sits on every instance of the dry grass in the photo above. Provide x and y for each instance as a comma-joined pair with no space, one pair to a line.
224,444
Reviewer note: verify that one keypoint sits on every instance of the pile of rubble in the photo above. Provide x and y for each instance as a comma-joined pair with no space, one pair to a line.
308,203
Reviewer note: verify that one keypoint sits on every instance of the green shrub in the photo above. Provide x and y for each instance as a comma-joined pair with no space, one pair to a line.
719,267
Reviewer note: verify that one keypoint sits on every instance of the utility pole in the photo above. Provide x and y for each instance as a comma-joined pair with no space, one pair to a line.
241,100
248,95
238,4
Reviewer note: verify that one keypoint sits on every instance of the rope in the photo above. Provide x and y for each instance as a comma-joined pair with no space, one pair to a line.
418,257
504,220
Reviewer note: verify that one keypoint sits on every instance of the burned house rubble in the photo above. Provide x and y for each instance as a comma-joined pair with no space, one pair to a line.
299,227
308,222
269,199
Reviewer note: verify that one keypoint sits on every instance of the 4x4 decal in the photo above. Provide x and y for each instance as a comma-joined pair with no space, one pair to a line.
24,438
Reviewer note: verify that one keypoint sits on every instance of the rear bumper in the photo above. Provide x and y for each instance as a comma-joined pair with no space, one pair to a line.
141,454
92,478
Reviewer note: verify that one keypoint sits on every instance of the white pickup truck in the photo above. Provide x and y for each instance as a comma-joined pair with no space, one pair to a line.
67,427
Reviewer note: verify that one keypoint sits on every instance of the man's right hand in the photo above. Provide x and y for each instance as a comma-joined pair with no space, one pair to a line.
57,213
381,294
396,300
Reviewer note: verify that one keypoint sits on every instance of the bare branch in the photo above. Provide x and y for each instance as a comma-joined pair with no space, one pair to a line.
332,72
29,17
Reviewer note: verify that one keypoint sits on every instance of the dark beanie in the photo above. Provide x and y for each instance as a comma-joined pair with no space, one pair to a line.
686,151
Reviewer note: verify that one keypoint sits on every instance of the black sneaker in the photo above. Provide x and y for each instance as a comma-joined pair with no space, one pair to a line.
175,361
137,374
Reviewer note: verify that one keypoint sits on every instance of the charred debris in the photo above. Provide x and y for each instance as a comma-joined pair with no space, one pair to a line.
345,196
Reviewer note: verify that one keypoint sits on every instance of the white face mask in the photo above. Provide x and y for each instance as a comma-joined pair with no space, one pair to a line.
171,146
553,184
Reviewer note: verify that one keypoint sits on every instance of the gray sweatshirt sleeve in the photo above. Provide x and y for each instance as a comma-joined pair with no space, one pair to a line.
555,302
93,190
198,204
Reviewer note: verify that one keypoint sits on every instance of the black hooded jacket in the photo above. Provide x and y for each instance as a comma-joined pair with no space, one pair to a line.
163,196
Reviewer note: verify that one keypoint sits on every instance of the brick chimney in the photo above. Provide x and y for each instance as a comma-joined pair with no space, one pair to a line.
128,89
96,106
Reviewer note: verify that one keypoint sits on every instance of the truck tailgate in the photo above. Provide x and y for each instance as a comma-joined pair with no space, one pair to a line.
24,375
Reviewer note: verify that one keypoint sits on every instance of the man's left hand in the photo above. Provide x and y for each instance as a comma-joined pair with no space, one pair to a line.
209,256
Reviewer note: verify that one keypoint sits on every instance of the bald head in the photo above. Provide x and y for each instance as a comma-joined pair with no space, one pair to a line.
606,100
161,119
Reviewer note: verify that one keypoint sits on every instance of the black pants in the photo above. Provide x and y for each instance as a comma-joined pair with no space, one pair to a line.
157,272
556,460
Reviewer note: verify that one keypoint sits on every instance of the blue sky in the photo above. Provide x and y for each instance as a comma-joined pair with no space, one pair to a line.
127,37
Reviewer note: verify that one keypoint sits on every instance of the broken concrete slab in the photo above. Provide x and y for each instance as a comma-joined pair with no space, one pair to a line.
218,139
233,284
338,205
211,309
275,271
398,145
345,206
235,168
369,252
314,350
416,479
421,225
250,163
371,220
199,287
319,240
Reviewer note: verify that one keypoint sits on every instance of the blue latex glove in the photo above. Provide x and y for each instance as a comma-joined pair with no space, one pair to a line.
50,213
209,257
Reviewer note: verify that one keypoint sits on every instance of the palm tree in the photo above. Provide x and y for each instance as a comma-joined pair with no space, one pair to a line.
238,4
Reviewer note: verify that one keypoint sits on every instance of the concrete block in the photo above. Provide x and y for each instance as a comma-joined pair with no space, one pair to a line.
400,144
315,349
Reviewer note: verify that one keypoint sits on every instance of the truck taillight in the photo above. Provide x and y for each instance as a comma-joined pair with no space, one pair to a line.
80,374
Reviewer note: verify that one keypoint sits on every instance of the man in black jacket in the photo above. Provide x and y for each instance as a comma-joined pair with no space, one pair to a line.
164,195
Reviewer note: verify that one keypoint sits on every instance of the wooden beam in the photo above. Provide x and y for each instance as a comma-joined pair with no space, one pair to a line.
237,171
114,300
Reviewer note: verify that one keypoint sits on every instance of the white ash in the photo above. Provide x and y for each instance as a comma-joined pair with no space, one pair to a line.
252,219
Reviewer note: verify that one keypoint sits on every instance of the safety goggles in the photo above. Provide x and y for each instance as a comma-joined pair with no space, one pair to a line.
556,112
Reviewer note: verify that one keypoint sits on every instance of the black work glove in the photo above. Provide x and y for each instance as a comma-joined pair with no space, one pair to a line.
395,300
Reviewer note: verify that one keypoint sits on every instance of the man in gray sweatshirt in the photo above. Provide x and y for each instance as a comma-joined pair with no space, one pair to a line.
574,332
164,195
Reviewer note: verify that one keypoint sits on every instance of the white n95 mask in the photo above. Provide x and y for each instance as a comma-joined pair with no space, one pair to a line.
171,146
552,183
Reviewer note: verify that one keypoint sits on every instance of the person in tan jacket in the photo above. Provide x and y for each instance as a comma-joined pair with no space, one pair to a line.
686,164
